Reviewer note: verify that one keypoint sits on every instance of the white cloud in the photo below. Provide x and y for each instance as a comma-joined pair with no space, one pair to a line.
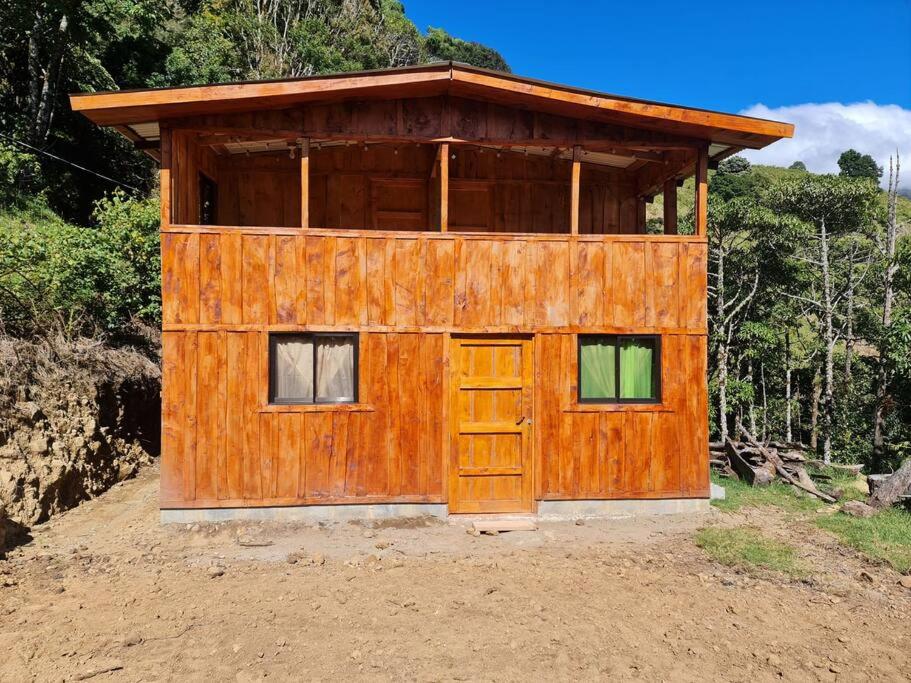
823,131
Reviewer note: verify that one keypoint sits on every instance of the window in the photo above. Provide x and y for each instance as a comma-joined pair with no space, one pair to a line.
619,369
313,368
208,200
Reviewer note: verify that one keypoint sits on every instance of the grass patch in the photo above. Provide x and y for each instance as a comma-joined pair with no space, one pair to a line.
748,548
739,494
885,537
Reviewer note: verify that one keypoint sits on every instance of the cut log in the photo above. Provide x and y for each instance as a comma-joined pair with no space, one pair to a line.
754,476
891,490
772,456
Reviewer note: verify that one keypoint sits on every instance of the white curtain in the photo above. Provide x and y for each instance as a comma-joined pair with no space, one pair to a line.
294,370
335,369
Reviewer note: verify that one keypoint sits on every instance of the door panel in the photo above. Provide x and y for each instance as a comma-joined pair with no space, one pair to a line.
491,439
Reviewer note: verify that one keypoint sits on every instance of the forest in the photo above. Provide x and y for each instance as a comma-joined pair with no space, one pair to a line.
809,285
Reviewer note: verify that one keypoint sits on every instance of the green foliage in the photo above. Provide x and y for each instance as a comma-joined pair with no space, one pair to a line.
749,548
734,165
797,166
20,175
844,204
853,164
75,280
884,538
440,46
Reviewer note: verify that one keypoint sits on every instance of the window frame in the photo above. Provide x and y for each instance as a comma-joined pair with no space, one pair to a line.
657,368
276,337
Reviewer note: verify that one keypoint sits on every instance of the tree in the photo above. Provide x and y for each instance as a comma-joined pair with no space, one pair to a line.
440,46
853,164
798,166
883,370
734,164
830,208
737,231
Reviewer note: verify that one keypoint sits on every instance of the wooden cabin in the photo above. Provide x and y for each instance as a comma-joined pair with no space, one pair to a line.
430,289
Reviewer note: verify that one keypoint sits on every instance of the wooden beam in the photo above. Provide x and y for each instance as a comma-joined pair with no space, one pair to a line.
305,181
444,187
574,190
164,178
702,191
670,207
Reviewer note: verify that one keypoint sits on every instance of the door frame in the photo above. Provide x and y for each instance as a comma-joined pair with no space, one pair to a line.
453,387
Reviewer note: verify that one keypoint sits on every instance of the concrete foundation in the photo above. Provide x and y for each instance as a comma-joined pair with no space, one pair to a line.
310,513
552,510
576,509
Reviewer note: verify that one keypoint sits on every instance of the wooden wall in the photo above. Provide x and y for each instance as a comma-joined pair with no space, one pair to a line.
225,289
365,280
223,446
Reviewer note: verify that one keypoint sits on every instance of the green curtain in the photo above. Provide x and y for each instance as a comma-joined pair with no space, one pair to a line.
597,375
637,362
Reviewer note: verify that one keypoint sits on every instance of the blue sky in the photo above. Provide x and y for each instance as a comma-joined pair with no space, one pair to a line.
725,55
840,70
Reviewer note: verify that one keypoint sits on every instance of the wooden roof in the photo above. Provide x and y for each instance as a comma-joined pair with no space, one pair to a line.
126,107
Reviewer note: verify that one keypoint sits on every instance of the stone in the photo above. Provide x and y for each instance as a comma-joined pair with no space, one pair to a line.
38,445
215,571
857,508
905,582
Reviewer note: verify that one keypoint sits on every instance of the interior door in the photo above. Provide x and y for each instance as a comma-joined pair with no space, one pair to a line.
491,425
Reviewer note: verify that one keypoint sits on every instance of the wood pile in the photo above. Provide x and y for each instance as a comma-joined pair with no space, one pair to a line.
760,464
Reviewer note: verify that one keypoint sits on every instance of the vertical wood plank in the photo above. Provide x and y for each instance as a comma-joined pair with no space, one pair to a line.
575,181
211,426
235,361
702,190
305,182
444,186
172,428
255,264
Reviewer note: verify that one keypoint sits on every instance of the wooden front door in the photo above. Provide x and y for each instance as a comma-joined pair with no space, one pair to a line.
491,425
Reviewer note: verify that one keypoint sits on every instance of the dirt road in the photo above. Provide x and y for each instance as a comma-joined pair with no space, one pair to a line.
105,593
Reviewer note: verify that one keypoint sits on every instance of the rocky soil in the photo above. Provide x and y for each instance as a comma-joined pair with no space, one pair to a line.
75,418
103,592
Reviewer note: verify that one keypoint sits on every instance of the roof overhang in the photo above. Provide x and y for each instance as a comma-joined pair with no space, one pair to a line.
136,113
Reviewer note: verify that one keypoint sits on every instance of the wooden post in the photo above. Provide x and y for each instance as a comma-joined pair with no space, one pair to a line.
670,207
574,190
164,178
444,187
702,191
305,181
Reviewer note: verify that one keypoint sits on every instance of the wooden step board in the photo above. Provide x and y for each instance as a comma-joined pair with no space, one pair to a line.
488,525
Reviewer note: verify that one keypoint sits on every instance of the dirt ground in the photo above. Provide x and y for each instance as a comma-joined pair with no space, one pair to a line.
104,592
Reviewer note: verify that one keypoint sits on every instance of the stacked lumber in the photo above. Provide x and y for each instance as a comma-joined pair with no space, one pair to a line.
760,464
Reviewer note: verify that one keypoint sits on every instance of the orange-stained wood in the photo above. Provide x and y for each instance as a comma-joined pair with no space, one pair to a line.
394,444
702,191
444,187
124,107
305,182
491,407
574,190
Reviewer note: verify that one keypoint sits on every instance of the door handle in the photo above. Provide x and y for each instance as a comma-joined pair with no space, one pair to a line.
523,419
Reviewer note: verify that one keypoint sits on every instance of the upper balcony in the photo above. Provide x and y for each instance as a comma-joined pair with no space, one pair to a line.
345,182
